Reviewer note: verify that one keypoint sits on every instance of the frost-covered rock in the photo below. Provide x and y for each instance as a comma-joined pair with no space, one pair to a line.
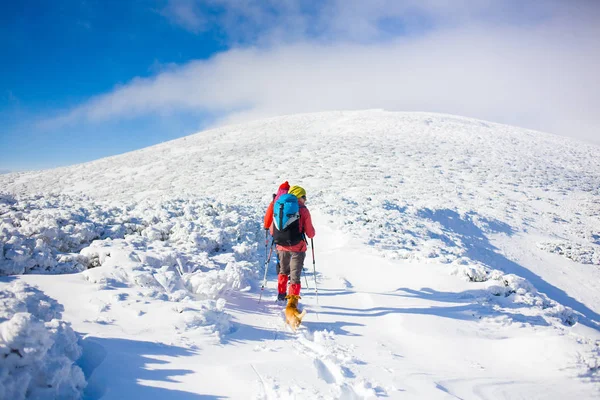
37,350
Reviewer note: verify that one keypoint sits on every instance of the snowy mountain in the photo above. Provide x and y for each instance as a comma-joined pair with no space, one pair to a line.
454,258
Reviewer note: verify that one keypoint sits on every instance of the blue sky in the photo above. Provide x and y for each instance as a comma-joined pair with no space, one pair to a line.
87,79
56,55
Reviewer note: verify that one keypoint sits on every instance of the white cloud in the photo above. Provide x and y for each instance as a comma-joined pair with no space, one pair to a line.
541,75
185,13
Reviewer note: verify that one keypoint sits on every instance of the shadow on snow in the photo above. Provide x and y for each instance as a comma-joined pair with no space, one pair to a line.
467,312
480,249
247,304
118,369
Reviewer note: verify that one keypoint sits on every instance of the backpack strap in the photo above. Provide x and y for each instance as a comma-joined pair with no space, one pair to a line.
281,216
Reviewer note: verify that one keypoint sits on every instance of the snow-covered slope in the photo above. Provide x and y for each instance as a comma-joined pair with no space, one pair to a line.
455,257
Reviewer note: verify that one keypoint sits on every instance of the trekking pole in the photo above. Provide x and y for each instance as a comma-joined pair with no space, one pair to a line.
305,278
304,269
266,242
266,269
312,247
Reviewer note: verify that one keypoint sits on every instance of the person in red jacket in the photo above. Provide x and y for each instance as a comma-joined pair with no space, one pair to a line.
283,189
291,258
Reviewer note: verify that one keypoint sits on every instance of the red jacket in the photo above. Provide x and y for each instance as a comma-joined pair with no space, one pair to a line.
306,226
269,215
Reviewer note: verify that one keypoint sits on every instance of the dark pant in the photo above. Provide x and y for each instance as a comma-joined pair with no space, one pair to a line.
290,263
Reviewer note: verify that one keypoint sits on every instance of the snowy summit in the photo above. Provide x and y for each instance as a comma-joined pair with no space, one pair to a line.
454,258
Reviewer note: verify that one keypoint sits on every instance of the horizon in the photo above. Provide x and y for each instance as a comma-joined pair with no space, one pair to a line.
227,125
88,80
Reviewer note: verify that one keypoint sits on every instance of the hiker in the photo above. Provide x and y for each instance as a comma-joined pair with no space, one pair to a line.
291,225
283,189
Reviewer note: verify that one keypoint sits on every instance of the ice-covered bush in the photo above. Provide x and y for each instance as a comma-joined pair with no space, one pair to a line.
45,234
37,350
574,251
52,234
169,249
471,271
514,291
509,290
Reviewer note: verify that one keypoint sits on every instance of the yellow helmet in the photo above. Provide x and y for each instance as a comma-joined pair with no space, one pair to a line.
297,191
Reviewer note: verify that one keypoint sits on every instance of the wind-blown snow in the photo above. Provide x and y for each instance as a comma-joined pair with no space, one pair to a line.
440,241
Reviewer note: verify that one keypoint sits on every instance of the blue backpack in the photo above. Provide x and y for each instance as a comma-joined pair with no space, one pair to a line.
286,221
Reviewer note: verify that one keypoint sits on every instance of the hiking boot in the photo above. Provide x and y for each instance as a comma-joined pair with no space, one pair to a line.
281,296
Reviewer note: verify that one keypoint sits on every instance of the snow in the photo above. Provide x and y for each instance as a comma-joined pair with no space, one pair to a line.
454,258
575,251
38,350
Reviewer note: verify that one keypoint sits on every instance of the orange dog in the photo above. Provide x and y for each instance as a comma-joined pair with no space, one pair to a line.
292,316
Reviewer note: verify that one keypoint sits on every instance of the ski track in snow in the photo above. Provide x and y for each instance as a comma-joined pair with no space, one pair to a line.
455,259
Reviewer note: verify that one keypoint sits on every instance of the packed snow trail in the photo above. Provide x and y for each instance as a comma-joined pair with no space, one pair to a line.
429,336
